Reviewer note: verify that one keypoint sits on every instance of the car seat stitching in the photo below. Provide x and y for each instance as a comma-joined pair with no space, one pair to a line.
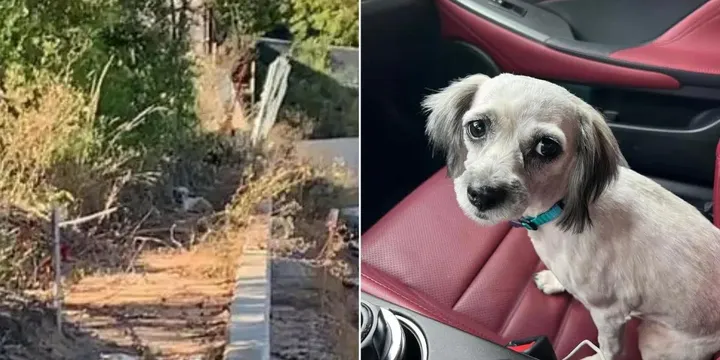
526,289
486,44
563,323
477,273
432,313
702,21
406,298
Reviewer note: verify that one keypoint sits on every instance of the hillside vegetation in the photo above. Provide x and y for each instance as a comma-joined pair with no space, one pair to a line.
98,111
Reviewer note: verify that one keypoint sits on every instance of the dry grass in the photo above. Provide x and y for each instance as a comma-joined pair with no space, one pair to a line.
55,155
300,214
33,140
175,303
55,151
50,154
213,103
217,109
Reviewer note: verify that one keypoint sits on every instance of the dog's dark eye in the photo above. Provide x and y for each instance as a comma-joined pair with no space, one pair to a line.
475,129
547,148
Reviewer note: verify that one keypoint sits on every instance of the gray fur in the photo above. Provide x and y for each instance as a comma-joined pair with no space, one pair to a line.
444,127
648,253
596,166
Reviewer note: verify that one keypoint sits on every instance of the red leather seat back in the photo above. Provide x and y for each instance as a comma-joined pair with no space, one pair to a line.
716,190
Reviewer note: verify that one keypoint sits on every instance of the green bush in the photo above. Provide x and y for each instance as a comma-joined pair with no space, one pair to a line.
251,17
52,35
77,37
315,101
334,22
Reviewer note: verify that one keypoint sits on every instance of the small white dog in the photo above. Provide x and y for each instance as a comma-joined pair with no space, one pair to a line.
528,150
189,203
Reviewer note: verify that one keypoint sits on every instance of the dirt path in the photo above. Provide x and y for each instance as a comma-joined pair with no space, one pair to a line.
29,333
175,304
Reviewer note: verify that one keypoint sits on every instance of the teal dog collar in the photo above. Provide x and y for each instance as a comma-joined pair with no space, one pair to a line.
534,222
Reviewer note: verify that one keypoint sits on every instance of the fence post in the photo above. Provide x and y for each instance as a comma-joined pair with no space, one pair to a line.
273,93
57,262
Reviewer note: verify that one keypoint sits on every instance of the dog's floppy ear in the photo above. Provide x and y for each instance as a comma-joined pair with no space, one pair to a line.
597,165
444,124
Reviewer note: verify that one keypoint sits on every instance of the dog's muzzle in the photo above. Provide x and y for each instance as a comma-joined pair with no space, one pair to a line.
486,198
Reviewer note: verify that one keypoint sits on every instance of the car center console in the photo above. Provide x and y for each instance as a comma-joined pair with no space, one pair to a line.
390,332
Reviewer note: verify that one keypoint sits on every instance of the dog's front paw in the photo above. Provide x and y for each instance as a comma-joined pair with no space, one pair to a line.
547,282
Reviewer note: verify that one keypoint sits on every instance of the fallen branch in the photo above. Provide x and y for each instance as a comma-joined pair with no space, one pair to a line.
142,221
156,230
131,263
85,219
157,241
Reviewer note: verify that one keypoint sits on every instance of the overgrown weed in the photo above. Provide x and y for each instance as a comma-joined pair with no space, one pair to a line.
58,157
87,138
55,151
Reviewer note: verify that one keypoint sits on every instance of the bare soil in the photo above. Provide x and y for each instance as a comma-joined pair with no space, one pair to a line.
313,313
173,306
176,304
29,332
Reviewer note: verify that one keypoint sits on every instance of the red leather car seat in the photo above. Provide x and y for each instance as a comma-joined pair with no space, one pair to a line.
426,255
716,190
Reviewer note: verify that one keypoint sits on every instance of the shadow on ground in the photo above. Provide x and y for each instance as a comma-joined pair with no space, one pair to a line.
313,315
178,306
188,329
314,307
30,333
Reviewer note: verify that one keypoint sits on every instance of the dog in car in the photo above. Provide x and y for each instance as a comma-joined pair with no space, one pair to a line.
528,151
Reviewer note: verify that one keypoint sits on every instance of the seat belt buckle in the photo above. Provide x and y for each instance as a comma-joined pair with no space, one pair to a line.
538,347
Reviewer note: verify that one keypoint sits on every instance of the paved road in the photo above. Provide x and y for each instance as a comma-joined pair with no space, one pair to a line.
327,150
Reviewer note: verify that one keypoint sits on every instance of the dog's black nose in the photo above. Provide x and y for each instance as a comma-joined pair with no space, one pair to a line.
485,197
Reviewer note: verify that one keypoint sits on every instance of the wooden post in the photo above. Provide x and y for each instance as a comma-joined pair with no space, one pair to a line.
57,262
211,32
207,12
173,20
252,80
271,98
